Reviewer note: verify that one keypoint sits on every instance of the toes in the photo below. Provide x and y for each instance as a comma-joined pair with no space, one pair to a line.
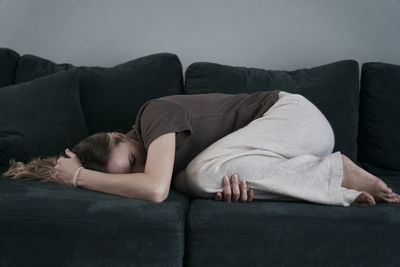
391,198
364,200
384,188
381,184
388,190
369,198
386,194
381,190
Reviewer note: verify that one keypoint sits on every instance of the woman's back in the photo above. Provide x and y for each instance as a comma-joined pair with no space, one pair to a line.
198,120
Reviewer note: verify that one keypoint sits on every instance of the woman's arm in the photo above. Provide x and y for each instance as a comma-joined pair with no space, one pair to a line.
160,164
131,185
152,185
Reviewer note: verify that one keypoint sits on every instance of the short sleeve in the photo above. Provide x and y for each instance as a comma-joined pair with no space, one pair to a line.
132,133
160,117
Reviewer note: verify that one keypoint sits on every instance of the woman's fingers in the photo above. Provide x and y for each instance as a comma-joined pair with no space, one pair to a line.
251,195
72,156
69,153
243,191
227,189
235,188
218,196
235,191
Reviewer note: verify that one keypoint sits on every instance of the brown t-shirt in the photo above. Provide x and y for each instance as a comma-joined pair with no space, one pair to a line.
198,120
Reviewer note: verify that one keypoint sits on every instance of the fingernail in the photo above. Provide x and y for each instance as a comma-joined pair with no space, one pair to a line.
235,175
225,178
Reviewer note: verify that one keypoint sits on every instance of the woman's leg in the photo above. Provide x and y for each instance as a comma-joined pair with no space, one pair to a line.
285,154
359,179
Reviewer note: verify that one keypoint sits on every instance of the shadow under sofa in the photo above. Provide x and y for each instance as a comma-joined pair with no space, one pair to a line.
45,224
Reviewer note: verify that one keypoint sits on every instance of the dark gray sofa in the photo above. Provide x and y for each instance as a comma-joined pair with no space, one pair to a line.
45,224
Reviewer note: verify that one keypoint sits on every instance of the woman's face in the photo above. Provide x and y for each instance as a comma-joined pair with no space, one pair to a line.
128,156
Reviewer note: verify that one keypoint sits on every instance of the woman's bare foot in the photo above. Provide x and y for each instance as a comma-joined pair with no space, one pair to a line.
359,179
365,199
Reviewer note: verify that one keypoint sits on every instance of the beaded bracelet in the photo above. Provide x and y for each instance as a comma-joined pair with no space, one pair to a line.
76,176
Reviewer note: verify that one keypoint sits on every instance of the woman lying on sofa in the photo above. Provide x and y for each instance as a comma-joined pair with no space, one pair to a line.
280,144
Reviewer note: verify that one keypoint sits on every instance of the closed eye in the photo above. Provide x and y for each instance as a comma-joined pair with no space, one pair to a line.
131,159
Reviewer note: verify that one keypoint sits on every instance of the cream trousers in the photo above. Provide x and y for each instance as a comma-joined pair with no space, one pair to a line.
286,154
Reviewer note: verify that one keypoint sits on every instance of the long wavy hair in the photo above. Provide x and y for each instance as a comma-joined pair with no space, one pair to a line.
93,153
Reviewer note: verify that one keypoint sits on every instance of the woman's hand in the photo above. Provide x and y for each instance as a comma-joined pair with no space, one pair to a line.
66,167
235,194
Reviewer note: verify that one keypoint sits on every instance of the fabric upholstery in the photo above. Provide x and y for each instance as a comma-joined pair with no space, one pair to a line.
51,224
8,63
31,67
46,224
333,88
295,233
379,126
111,97
41,117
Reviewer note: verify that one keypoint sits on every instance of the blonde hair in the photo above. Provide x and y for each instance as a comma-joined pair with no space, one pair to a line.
93,153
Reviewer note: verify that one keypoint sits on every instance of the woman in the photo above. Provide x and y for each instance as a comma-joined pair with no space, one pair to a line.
279,142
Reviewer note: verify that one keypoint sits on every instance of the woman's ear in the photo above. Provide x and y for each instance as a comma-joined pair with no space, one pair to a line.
118,134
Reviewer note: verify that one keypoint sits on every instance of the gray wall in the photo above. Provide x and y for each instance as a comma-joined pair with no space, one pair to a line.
265,34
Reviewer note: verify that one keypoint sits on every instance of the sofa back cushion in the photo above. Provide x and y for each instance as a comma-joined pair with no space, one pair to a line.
41,117
111,97
333,88
8,63
379,135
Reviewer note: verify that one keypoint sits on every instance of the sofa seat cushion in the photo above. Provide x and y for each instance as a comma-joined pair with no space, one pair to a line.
293,233
112,96
46,224
8,63
379,127
333,88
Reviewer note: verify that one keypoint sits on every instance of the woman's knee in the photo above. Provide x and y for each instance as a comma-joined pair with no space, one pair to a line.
206,175
195,174
322,137
200,182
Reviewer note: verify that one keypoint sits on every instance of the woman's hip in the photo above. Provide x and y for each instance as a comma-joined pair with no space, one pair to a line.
293,126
